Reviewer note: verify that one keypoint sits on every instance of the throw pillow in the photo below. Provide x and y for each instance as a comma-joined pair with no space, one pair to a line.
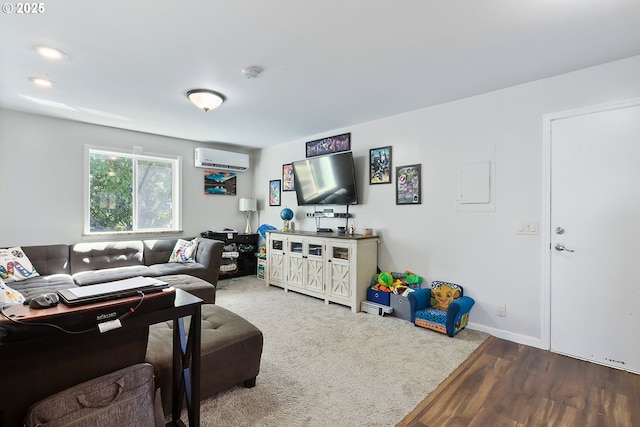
15,266
443,293
8,295
184,251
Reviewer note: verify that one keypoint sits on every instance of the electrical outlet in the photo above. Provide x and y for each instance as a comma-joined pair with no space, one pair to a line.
501,310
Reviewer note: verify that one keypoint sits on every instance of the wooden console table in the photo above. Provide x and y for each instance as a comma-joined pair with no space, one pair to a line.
334,267
51,361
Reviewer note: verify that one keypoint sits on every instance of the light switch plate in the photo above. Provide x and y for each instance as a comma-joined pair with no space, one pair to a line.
530,228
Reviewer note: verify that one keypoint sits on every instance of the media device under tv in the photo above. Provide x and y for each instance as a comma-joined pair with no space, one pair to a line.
326,180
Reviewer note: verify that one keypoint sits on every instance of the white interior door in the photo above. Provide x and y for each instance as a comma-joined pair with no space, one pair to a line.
595,215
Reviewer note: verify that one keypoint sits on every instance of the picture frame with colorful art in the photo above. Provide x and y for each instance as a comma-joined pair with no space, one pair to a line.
332,144
275,186
380,165
408,185
220,182
287,178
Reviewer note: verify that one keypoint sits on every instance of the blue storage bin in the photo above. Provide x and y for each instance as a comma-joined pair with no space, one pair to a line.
379,297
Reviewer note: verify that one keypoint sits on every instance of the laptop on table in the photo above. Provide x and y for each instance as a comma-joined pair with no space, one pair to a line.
111,290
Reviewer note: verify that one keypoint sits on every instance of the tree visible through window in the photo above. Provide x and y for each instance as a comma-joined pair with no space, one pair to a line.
132,193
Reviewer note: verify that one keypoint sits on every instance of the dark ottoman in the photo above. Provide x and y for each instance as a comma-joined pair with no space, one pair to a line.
231,351
194,285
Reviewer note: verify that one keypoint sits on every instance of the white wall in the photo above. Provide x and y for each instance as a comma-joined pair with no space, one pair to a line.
41,183
42,173
479,250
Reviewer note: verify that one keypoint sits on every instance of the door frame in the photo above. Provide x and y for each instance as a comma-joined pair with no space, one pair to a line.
545,228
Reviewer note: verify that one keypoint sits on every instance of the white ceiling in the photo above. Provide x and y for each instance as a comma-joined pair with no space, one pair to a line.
328,64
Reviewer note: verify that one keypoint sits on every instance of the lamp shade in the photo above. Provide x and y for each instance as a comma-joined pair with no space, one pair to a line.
247,204
205,99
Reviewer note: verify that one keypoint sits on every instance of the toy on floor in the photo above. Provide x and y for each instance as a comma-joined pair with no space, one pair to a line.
398,283
443,308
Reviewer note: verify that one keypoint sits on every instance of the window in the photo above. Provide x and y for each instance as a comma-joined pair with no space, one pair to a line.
131,193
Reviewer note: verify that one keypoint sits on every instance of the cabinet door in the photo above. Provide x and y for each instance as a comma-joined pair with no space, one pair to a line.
247,245
339,274
295,262
314,271
276,260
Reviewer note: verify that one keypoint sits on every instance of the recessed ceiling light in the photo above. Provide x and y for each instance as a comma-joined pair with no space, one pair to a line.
50,52
39,81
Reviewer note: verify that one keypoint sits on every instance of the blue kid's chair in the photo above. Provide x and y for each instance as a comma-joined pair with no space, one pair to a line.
442,308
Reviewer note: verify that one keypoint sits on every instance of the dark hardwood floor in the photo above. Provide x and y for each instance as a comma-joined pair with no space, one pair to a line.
508,384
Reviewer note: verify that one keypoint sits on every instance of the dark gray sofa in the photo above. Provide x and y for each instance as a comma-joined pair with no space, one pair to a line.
66,266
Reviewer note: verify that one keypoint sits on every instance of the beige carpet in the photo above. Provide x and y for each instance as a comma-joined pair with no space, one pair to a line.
323,365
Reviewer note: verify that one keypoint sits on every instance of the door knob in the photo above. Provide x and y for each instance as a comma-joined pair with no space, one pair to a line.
560,247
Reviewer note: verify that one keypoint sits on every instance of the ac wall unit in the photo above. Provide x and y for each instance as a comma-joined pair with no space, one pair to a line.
221,160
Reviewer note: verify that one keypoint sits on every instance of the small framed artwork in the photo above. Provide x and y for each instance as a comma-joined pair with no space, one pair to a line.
274,192
287,178
219,182
380,165
408,185
332,144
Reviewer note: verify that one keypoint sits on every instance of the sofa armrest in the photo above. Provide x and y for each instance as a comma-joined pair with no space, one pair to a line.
456,310
209,254
419,300
464,304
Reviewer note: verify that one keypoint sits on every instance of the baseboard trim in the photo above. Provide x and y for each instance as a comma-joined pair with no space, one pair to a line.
509,336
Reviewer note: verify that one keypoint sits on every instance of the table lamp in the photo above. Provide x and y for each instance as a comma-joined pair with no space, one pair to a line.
248,205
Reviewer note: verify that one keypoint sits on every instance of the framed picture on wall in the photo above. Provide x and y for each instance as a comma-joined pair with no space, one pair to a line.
220,182
408,185
332,144
274,192
380,165
287,178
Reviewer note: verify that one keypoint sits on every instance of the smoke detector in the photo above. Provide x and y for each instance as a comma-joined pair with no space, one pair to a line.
252,72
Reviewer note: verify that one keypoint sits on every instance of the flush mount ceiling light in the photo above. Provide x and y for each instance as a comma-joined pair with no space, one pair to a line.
42,82
50,52
205,99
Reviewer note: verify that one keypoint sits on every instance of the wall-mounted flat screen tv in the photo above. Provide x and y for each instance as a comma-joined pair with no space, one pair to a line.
326,180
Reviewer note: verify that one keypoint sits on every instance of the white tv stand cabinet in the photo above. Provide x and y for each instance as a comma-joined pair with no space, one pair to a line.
335,267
